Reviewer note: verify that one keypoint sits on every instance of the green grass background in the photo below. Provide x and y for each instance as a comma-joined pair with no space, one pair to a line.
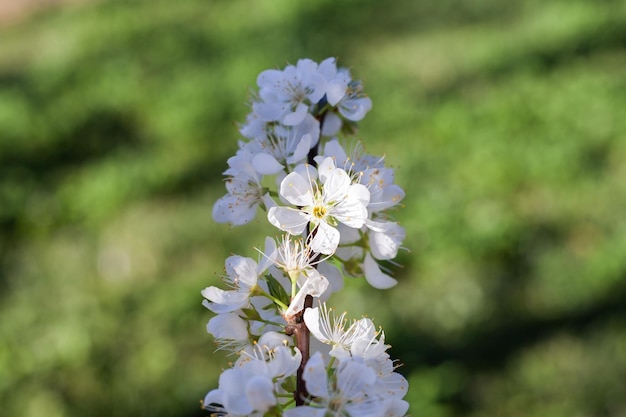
505,120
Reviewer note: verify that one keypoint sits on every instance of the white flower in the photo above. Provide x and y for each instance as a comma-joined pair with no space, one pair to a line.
354,105
370,348
286,95
384,193
294,257
385,238
284,145
229,330
343,93
253,382
395,408
243,274
375,276
239,206
314,285
359,262
245,191
344,394
372,173
331,330
337,200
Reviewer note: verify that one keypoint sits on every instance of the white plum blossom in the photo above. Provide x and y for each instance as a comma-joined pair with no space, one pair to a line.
284,145
331,330
229,330
343,394
335,200
295,257
344,95
245,191
286,95
385,239
314,285
242,276
251,385
372,173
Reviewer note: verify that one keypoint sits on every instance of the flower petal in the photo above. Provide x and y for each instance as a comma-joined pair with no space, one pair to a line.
297,190
336,90
228,326
296,117
326,239
224,301
302,149
375,276
385,245
350,212
266,164
290,220
315,376
260,393
231,209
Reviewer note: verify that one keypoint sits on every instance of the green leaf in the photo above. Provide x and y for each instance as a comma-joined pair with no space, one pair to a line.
276,289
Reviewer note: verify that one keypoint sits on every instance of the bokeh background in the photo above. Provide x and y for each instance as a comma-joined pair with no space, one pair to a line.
505,120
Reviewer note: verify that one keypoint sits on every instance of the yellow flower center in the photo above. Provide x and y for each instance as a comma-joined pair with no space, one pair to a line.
319,211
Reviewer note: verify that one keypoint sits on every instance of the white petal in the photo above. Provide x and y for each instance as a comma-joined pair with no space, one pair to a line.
349,235
336,185
296,189
334,149
302,150
317,83
314,286
325,167
326,239
307,171
389,196
315,376
269,111
385,245
328,68
359,192
355,109
231,209
260,393
266,164
336,90
243,270
231,381
332,124
375,276
268,256
351,212
271,340
396,408
284,363
224,301
290,220
353,376
269,77
296,117
228,326
312,321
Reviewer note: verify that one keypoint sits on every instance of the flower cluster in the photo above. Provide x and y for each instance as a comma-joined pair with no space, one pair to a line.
333,207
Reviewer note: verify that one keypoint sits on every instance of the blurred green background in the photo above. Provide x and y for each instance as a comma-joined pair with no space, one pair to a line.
505,120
